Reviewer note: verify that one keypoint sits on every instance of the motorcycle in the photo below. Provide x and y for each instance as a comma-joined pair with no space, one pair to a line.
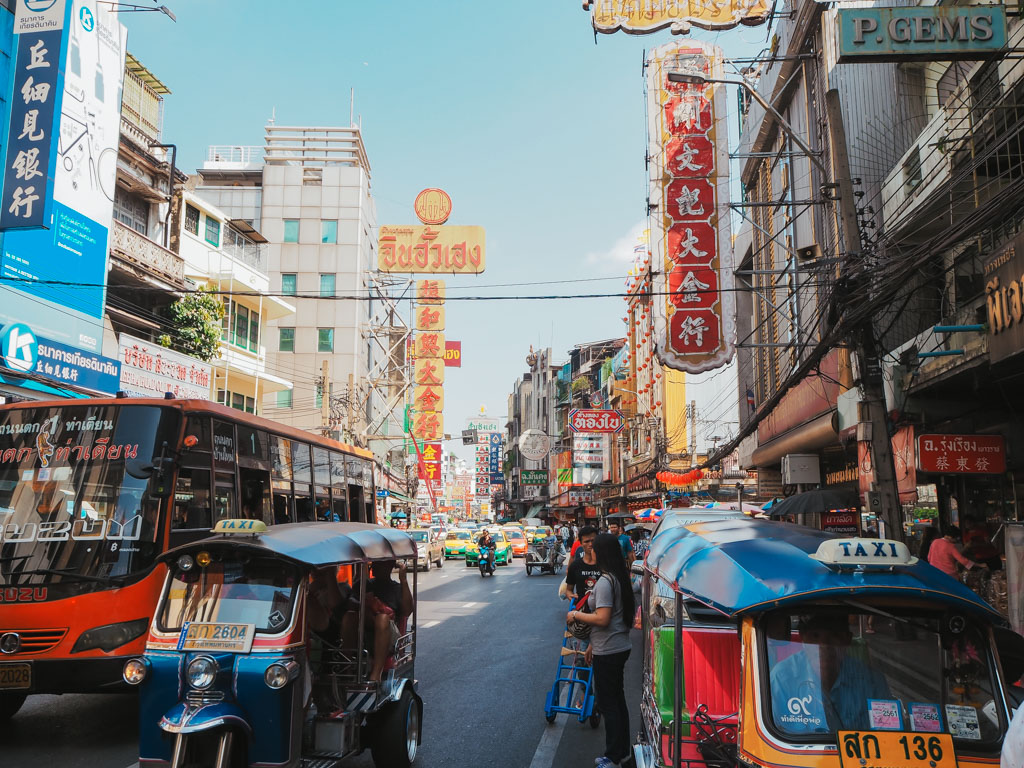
486,561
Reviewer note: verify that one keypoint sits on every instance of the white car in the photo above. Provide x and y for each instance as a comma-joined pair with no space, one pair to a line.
429,548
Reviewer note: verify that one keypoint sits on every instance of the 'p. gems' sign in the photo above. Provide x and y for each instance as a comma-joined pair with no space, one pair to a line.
921,32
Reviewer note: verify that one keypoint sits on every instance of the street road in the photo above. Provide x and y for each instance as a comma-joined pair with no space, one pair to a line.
487,655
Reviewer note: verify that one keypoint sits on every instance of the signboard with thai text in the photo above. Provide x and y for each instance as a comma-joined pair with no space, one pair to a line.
533,477
149,370
595,420
961,454
453,354
927,33
690,226
428,249
841,523
642,17
1004,300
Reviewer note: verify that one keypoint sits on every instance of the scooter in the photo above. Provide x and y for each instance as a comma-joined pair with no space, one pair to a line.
486,561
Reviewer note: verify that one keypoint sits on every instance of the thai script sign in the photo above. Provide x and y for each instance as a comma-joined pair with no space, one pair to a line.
921,32
533,477
841,523
690,237
81,369
593,420
1004,300
149,370
429,249
453,354
961,454
642,17
483,424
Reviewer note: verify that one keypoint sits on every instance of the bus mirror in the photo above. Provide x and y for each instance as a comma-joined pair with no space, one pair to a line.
161,472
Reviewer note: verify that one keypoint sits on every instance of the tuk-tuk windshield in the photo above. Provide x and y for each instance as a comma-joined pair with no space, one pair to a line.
256,591
836,670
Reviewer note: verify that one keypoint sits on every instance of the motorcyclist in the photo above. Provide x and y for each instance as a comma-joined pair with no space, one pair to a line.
486,542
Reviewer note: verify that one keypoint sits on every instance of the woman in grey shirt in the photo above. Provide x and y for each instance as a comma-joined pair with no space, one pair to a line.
612,606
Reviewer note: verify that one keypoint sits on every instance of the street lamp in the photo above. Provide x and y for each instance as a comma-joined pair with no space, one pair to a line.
697,78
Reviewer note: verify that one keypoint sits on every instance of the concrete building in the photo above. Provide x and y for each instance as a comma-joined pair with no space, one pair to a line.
307,190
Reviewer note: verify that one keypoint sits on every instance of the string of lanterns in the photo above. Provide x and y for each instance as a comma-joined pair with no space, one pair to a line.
680,478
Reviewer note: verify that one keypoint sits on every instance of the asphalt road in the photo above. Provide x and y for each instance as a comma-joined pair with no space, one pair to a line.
487,655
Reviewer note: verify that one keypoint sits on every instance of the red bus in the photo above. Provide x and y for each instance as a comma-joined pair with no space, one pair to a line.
91,491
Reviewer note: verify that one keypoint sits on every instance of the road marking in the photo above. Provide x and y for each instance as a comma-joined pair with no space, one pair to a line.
495,591
429,624
469,605
544,757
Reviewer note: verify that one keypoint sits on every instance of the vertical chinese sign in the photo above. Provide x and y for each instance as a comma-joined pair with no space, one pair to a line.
428,381
60,167
690,237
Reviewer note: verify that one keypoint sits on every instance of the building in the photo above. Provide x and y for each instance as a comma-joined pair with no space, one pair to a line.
307,190
229,256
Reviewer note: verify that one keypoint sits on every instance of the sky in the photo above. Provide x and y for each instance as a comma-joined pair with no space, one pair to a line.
536,132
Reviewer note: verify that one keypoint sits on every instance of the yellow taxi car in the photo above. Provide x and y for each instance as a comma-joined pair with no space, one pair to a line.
516,538
540,533
455,542
502,549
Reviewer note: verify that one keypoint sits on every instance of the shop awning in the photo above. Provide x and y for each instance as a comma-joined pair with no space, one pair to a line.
535,510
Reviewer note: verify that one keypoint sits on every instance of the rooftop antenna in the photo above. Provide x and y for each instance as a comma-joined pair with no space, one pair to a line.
352,107
273,114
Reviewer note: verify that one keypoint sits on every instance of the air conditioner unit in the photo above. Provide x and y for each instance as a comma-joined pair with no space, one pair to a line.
801,469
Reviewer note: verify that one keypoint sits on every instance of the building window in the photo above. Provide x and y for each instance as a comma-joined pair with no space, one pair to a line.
327,286
291,230
238,401
192,219
286,341
254,331
212,231
288,283
241,326
284,398
328,231
132,211
325,339
912,170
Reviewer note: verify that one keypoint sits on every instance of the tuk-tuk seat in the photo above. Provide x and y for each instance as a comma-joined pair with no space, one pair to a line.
711,672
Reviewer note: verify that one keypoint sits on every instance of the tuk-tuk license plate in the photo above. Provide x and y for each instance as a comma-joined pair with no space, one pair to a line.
15,676
895,749
232,638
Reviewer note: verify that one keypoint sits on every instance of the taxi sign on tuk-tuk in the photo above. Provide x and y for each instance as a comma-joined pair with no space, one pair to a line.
240,526
229,638
895,749
863,552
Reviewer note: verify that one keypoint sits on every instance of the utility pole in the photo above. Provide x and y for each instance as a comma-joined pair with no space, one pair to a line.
325,398
691,425
873,426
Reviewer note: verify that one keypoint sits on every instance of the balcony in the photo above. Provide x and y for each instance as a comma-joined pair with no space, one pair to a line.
140,251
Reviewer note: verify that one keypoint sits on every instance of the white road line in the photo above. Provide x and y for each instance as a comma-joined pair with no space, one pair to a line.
429,624
544,757
468,605
495,591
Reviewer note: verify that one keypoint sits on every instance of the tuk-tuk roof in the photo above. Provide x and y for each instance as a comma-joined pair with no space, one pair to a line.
738,565
315,544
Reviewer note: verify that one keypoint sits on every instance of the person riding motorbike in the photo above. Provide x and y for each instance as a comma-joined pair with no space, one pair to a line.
487,547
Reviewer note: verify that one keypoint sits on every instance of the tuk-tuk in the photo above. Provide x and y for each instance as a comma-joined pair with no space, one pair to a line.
771,644
234,673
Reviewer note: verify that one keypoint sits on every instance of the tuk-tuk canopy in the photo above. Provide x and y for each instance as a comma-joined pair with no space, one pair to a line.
738,565
315,544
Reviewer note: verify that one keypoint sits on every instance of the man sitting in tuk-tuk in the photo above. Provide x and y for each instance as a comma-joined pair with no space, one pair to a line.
388,604
821,687
328,602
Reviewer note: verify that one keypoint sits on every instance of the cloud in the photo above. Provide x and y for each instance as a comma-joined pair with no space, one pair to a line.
617,259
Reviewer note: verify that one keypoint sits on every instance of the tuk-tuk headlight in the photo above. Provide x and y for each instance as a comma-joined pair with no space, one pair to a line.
135,671
201,672
276,676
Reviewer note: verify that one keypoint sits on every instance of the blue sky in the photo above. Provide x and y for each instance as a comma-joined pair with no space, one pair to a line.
536,133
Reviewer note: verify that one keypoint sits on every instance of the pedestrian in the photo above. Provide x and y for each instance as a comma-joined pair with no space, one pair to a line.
583,573
575,532
944,554
978,544
563,534
612,606
625,543
927,539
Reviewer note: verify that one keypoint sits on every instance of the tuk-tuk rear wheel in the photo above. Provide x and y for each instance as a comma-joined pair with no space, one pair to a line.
396,733
10,703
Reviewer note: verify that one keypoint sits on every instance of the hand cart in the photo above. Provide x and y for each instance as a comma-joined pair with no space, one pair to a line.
572,692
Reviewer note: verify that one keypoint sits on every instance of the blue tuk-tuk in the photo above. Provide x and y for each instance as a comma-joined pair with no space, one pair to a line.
770,644
236,672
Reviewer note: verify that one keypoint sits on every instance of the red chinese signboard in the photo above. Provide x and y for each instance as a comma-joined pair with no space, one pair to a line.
961,454
690,237
595,420
453,354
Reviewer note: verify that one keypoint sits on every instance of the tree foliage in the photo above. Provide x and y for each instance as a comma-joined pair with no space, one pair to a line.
195,322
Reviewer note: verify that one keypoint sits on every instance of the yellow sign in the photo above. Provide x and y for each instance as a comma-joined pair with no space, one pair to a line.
642,17
431,249
429,318
429,344
427,398
896,749
429,372
430,291
427,425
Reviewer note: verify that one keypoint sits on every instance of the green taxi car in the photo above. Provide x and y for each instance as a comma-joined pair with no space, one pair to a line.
455,542
502,549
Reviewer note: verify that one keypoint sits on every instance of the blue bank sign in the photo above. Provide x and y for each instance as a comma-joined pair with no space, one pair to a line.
921,32
23,352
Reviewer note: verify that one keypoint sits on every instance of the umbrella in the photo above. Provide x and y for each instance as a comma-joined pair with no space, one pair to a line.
620,516
748,508
644,526
818,500
648,514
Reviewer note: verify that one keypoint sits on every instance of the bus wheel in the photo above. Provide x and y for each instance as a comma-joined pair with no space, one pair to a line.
10,703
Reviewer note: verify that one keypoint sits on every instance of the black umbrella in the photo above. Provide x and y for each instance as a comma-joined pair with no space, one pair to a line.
818,500
620,516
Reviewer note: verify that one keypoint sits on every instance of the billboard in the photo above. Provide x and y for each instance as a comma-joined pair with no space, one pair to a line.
85,156
642,17
690,237
149,370
428,249
925,33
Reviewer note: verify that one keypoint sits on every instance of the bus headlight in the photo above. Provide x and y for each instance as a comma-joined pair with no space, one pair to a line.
201,672
135,671
110,637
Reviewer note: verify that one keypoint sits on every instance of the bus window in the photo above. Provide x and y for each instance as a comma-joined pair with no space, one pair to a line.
281,457
282,502
338,471
355,497
255,494
253,446
321,466
198,427
224,446
304,508
339,504
192,508
301,465
224,498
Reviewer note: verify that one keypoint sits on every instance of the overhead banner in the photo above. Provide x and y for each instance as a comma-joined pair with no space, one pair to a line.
690,228
428,249
642,17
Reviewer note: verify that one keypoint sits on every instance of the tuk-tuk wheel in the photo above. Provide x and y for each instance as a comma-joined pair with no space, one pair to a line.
396,733
529,569
10,703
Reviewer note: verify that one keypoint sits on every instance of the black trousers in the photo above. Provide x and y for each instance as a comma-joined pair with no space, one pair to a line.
611,702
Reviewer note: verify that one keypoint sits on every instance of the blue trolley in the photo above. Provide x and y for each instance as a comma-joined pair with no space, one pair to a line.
573,691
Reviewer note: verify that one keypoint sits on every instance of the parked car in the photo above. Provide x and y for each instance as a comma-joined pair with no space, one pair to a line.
428,548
